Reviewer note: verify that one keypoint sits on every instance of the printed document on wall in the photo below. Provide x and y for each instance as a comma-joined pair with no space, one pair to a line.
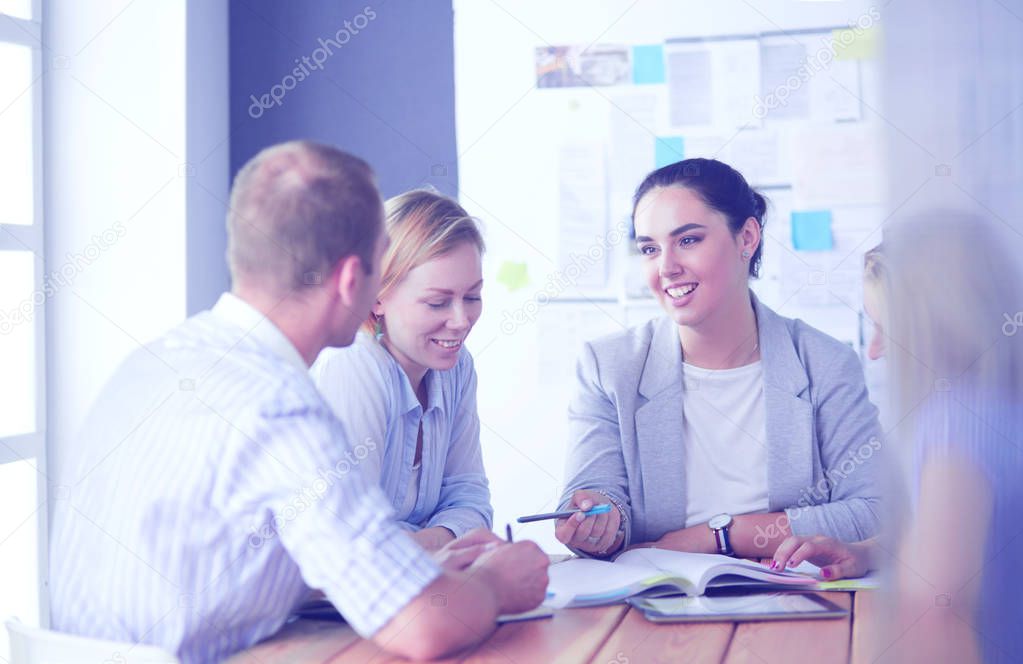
633,129
800,79
713,82
582,227
838,165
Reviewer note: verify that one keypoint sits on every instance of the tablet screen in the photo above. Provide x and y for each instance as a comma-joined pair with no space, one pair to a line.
766,606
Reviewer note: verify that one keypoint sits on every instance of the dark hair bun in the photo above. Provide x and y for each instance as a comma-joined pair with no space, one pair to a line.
720,186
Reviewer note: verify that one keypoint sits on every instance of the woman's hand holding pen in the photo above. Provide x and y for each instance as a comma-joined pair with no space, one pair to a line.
592,534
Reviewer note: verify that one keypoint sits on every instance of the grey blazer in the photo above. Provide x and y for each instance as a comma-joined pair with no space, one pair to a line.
823,436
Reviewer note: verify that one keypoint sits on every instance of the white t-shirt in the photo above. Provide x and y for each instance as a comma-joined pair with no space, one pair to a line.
725,441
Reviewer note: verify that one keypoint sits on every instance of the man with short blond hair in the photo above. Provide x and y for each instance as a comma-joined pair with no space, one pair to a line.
213,488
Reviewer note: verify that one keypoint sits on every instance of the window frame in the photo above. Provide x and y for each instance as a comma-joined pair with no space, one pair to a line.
31,238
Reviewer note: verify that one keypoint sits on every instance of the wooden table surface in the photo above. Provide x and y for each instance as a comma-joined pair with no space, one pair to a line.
608,635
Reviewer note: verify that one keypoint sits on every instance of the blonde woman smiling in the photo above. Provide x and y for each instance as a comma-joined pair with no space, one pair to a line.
407,385
708,427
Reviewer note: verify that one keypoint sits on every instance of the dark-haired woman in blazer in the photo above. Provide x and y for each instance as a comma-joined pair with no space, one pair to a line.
721,427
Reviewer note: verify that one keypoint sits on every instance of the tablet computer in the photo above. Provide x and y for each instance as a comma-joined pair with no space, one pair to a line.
737,608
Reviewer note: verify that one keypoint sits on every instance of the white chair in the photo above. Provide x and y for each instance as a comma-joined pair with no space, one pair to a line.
31,645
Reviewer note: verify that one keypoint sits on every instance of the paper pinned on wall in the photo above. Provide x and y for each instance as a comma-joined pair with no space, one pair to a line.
737,74
633,124
648,64
713,82
513,275
757,154
706,146
779,98
838,165
802,79
776,240
826,278
668,150
811,230
583,215
689,86
578,66
855,43
562,327
836,94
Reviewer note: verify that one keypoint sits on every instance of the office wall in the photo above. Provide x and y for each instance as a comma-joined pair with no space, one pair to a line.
374,78
954,102
114,152
208,149
543,168
139,149
135,161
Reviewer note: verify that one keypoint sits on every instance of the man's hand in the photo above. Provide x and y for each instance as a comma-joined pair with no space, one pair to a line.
517,573
457,555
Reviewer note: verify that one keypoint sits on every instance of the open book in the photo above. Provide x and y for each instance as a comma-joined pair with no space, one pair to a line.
651,572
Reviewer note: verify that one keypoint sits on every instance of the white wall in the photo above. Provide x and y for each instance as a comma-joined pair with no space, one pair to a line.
121,129
115,130
954,97
508,134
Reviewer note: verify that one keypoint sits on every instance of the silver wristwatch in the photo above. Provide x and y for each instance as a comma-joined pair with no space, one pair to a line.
719,525
622,523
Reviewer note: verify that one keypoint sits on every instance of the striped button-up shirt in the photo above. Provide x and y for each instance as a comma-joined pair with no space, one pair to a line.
211,489
370,392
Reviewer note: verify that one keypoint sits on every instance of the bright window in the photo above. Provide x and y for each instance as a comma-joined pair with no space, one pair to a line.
23,480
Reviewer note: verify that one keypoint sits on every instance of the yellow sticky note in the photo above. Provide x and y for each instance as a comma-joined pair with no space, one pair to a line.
513,275
855,43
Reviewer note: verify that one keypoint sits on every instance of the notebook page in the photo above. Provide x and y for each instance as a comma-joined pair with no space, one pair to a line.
700,566
584,576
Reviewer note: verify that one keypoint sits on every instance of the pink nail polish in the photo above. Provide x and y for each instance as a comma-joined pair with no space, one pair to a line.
826,573
774,564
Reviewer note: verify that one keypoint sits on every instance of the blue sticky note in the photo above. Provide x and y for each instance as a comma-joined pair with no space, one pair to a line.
648,64
811,230
668,150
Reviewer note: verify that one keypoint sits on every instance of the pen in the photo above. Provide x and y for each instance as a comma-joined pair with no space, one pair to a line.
507,531
593,511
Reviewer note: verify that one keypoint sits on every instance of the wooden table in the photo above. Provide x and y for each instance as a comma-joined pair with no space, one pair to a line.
608,635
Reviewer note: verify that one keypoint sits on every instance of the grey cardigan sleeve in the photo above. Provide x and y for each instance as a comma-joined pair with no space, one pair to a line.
845,502
595,459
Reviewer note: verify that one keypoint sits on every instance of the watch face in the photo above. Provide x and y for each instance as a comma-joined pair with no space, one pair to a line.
720,521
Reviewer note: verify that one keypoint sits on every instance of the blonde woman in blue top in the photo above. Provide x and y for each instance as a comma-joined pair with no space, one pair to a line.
953,542
406,389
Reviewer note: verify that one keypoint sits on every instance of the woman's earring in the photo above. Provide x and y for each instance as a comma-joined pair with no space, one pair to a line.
378,331
746,254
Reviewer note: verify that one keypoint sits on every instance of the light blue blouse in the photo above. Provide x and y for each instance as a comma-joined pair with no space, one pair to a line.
373,397
981,428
